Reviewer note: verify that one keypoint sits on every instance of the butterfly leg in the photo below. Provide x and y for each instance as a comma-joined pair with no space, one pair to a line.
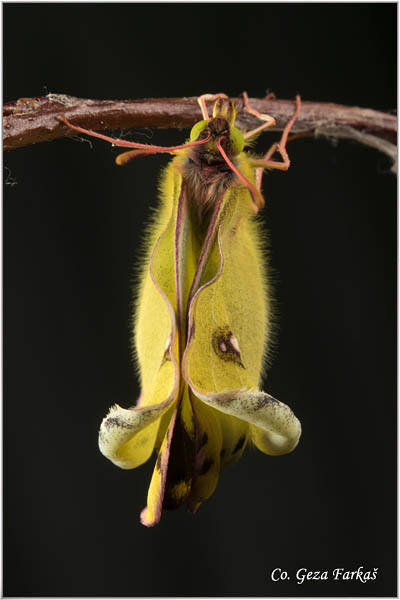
284,164
114,141
140,149
269,121
203,99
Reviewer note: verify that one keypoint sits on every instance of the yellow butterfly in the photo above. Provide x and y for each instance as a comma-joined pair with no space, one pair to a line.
202,320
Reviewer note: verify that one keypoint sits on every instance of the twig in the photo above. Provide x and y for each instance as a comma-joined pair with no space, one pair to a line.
33,120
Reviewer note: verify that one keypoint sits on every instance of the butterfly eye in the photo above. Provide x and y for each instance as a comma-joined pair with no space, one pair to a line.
197,129
237,141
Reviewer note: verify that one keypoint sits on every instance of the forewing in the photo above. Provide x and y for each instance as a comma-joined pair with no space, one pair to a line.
228,316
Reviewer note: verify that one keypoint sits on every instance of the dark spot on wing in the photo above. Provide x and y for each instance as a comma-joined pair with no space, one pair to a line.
239,444
116,422
222,453
166,357
203,440
225,345
206,466
262,401
158,463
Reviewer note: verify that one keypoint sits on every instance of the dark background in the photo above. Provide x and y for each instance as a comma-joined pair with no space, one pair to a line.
72,224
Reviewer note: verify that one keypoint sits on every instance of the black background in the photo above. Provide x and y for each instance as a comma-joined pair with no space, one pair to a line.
72,224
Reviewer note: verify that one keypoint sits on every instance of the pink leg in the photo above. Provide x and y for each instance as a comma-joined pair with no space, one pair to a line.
140,149
114,141
266,163
269,121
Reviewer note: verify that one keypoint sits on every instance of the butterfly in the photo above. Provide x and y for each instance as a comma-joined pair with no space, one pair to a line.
202,321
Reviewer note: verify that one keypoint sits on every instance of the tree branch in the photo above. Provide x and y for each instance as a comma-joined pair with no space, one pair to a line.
33,120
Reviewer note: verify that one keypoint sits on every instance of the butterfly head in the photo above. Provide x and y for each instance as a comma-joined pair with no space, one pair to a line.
220,128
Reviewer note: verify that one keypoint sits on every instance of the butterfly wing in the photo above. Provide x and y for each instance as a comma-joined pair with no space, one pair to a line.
128,436
229,328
